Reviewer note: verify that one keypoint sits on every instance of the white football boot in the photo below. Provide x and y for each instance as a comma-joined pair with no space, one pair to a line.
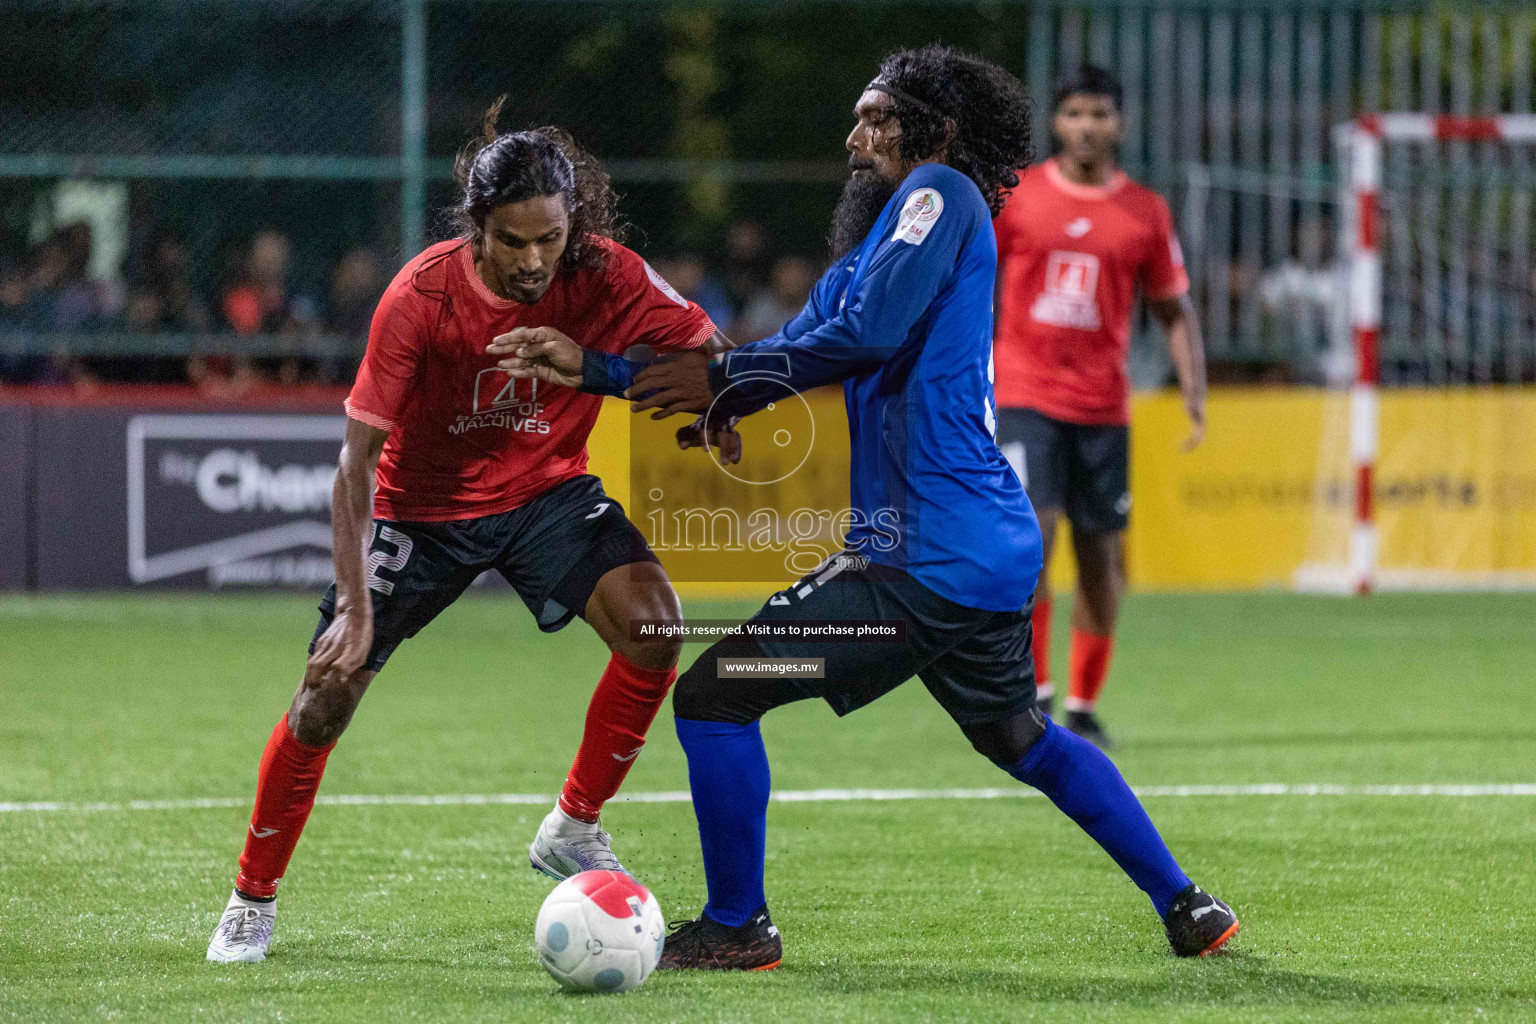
567,846
244,932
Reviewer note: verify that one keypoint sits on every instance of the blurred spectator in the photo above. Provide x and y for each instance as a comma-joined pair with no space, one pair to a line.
13,296
686,273
260,302
81,304
745,263
1298,292
49,264
161,297
51,293
15,314
772,307
1303,296
357,282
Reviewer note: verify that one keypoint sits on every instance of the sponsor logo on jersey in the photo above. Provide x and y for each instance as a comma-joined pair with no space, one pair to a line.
918,216
1070,298
1078,228
502,400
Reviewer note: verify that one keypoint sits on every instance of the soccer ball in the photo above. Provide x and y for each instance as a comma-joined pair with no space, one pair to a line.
600,931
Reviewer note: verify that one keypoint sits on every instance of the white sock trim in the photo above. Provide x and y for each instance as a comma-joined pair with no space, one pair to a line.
567,819
1078,704
1044,691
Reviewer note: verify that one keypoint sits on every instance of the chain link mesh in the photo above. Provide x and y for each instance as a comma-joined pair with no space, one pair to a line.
262,77
219,119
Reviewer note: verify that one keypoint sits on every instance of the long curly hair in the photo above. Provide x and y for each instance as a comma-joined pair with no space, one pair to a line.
494,170
973,110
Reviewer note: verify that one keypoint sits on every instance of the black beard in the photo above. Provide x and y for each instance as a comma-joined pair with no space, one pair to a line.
863,198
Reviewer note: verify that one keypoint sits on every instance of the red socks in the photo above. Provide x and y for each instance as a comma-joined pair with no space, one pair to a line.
1041,620
623,706
285,791
1090,664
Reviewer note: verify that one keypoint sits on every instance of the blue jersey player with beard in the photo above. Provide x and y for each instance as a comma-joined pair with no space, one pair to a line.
943,538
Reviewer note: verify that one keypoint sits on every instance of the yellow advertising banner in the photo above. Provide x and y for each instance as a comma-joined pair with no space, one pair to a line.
734,531
1270,490
1237,512
1456,486
1266,494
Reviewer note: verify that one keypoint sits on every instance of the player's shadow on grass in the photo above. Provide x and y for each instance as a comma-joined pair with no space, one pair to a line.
1333,739
1237,978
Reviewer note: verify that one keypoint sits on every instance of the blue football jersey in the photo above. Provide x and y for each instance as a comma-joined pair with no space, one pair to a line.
905,321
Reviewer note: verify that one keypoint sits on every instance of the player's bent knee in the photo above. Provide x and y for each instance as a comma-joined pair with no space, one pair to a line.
321,713
658,654
1006,741
655,654
627,596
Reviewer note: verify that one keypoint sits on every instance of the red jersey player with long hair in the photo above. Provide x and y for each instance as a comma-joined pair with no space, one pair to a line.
477,471
1073,243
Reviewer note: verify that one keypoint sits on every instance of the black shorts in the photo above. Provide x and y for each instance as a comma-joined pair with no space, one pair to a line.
1081,469
552,550
977,664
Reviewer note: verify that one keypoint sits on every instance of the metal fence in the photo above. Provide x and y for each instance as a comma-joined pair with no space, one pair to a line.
335,122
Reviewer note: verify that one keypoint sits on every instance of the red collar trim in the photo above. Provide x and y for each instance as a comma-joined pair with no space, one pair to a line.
476,284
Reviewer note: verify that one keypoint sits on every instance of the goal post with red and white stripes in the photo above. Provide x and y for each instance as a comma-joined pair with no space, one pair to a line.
1461,299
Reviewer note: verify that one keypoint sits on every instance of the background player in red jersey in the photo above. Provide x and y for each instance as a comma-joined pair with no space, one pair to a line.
477,471
1075,239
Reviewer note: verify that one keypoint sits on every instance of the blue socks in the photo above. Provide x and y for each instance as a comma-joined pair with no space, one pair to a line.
1089,789
728,773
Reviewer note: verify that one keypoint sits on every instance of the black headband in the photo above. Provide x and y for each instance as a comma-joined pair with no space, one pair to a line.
891,90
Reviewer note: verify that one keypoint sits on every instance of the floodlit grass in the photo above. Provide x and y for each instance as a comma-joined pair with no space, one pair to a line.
1384,909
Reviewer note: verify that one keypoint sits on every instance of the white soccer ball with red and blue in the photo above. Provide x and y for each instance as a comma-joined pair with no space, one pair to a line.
600,931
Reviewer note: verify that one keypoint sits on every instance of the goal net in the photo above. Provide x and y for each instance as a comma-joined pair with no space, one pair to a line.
1427,468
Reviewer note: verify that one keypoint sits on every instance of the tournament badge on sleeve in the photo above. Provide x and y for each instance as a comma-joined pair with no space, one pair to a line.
918,216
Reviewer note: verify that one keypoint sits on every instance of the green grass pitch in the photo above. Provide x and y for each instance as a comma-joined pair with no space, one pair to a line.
1358,908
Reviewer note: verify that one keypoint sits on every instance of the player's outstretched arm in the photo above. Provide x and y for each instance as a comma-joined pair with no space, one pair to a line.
870,326
1186,348
541,353
343,647
544,353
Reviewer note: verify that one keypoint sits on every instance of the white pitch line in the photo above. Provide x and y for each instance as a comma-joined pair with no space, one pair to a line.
796,796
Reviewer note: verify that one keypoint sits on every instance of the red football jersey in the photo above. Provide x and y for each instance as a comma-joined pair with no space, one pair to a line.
466,439
1069,259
